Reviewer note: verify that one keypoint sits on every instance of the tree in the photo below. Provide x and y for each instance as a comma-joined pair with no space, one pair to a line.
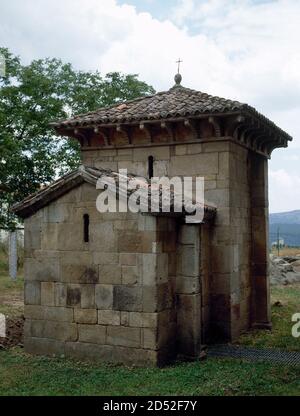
31,96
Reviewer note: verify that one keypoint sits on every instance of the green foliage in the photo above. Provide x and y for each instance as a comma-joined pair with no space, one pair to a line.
31,96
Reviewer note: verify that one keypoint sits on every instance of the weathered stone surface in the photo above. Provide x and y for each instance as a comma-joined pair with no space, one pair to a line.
88,296
85,316
32,293
60,294
129,275
47,293
73,295
94,334
109,317
200,164
62,331
76,273
104,296
150,338
44,346
124,336
126,298
89,351
128,259
42,269
143,320
105,258
110,274
48,313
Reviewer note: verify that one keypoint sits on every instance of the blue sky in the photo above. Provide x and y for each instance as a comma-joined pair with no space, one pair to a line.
247,50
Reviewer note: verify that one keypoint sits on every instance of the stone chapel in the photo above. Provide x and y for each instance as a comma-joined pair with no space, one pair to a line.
140,288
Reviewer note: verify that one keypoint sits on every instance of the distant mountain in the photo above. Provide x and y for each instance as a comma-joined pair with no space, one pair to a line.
291,217
288,224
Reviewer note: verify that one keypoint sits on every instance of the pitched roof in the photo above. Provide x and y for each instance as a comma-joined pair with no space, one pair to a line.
61,186
176,102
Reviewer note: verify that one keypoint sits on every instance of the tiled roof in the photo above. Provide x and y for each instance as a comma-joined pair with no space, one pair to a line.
175,103
61,186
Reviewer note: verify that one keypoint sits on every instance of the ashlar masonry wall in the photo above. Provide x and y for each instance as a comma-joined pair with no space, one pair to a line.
112,298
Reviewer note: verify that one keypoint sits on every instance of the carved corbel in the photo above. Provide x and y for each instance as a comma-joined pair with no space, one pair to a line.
169,127
83,139
124,130
233,124
193,126
147,129
216,125
104,133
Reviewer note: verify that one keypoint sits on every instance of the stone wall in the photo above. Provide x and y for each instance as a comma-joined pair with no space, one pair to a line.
226,167
111,298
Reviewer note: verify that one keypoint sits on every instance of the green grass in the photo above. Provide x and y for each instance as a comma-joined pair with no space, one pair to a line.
22,374
280,337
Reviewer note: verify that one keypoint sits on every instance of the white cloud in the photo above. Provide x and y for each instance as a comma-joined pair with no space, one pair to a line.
284,190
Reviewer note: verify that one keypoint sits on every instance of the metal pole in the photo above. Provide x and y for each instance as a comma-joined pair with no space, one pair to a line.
278,241
13,255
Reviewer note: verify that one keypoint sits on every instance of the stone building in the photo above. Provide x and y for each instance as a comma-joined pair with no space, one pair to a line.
143,288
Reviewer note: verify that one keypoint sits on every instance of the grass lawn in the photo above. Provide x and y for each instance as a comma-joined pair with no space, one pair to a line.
280,337
22,374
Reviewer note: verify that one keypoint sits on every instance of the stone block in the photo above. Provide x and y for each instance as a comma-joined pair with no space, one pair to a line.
200,164
88,296
32,237
124,336
159,153
105,258
78,273
109,274
44,346
187,284
126,298
188,234
47,293
149,269
88,351
94,334
60,294
124,318
32,293
128,259
150,339
42,269
73,295
85,316
143,320
129,275
104,297
50,313
129,242
109,317
98,242
62,331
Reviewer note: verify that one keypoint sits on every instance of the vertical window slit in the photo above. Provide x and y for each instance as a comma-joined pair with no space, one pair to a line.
150,166
86,226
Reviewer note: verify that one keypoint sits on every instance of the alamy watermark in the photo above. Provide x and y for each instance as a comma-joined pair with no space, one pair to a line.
2,326
123,192
2,65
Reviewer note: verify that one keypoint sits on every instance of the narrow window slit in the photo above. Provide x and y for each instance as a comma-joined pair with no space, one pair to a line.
150,166
86,226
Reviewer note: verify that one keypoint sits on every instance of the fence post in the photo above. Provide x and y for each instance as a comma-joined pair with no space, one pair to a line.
13,255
